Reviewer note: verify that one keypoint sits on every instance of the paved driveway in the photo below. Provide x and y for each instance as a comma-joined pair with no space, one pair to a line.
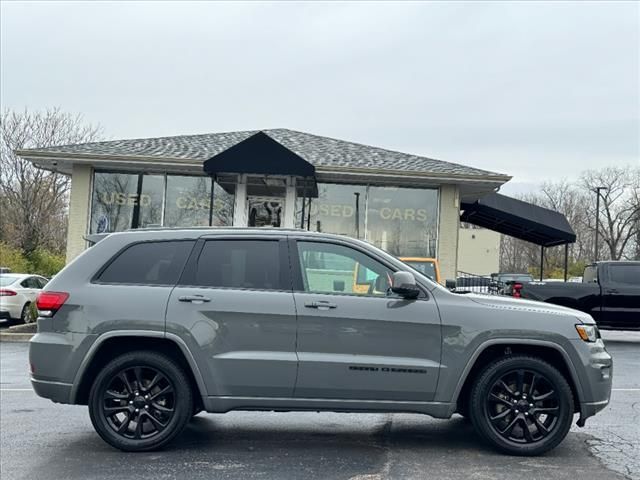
42,440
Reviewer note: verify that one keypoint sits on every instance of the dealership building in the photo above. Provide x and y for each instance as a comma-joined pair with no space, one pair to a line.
406,204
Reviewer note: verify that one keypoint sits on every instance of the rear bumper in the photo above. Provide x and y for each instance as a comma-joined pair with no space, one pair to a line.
10,312
55,359
56,391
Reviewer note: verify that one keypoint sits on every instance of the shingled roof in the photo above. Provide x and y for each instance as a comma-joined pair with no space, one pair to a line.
323,152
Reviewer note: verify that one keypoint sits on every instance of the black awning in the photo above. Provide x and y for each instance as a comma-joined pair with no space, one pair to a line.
259,154
519,219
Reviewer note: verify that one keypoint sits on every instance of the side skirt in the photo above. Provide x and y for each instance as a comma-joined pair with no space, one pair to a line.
226,404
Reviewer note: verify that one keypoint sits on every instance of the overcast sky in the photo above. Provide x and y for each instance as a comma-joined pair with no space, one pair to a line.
537,90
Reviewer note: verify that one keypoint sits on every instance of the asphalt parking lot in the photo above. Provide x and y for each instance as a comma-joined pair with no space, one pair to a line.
42,440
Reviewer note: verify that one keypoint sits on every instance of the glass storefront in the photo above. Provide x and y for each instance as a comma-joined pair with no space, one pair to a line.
121,201
402,221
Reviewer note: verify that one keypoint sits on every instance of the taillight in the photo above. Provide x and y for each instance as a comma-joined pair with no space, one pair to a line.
48,303
7,293
516,290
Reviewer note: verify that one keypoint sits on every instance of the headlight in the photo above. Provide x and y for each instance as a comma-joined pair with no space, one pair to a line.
588,333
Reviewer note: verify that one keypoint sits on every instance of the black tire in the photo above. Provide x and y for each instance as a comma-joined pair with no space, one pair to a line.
26,316
140,401
522,405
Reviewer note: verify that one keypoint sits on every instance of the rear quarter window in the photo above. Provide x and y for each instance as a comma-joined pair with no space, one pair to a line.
148,263
625,274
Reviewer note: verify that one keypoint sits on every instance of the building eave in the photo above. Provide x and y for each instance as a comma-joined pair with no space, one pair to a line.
159,163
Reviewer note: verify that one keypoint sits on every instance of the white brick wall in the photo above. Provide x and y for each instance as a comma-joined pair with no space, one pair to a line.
448,231
79,202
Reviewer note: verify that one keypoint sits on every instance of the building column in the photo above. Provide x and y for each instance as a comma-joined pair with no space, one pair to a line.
79,208
448,230
240,205
290,204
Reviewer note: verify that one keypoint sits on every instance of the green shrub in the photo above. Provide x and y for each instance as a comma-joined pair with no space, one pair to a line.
41,262
13,258
45,263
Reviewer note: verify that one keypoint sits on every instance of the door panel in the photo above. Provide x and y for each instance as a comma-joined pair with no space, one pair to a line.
245,340
367,348
362,344
234,308
621,296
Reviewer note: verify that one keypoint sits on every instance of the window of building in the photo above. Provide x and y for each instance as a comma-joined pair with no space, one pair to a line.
253,264
402,221
338,209
114,198
188,201
121,201
330,268
151,201
148,263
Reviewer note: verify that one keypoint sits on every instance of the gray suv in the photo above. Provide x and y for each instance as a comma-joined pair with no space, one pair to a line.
150,327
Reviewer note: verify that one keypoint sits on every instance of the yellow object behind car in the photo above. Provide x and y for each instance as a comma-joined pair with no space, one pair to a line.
426,266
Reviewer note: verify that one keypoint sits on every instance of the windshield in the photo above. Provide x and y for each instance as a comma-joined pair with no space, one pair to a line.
425,268
7,280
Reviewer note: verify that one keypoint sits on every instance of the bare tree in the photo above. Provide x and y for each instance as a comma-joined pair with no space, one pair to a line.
620,208
33,201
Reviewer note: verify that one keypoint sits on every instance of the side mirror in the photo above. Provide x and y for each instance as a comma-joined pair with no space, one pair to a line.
450,284
404,284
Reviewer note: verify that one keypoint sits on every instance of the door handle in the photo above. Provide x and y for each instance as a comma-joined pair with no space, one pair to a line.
321,305
613,291
194,298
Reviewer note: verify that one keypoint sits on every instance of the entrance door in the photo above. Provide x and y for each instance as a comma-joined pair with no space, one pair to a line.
265,211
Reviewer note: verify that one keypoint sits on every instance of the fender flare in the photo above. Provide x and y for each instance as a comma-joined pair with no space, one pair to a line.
518,341
88,358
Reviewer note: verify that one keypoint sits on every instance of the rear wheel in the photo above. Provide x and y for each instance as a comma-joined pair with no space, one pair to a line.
522,405
140,401
27,315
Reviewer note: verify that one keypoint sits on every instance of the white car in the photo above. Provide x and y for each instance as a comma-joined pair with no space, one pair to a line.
17,292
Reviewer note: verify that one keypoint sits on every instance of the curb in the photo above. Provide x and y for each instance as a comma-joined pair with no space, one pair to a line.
15,337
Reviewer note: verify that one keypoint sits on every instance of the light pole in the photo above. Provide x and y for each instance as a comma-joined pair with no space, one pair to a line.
597,190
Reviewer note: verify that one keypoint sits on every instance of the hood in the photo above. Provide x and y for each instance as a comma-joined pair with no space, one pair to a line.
510,303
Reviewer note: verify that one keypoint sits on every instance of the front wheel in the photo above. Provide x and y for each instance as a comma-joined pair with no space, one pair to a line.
140,401
522,405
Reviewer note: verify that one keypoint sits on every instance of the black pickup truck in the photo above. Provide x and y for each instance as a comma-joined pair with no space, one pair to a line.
609,292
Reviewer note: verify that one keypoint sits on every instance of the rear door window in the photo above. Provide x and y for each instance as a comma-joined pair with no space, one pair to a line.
628,274
148,263
241,264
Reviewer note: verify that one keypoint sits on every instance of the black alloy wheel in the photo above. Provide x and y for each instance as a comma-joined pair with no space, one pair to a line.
522,405
140,401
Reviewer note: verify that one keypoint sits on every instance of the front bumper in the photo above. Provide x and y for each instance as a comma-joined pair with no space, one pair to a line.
597,376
